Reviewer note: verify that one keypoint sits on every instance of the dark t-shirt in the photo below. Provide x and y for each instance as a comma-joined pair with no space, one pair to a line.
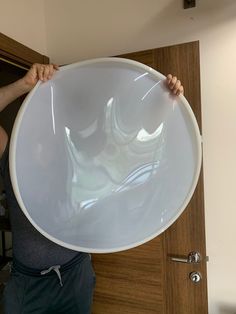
30,247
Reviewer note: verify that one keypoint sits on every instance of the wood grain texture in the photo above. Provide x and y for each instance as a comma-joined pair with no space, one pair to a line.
130,281
183,61
188,232
13,50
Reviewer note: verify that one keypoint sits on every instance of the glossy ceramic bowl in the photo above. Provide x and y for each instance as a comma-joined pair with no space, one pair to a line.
103,158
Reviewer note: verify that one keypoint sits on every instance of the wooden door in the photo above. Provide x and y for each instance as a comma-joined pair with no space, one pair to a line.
145,280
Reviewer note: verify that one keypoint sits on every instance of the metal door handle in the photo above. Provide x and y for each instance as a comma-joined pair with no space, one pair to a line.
192,258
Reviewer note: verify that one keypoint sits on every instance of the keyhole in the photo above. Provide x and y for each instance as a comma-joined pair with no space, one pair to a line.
195,276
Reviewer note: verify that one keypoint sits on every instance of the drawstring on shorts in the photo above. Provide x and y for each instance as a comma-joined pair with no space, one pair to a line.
56,268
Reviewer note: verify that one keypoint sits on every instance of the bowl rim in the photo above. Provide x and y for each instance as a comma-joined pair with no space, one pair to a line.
13,144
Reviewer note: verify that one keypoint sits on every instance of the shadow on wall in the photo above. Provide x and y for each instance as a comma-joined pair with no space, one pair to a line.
227,309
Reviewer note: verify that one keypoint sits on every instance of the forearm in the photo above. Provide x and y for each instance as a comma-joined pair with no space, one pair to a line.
12,91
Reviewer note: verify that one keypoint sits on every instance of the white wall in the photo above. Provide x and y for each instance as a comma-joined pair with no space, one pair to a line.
79,30
24,21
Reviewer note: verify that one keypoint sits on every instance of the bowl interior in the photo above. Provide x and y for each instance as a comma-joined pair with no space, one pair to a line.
103,157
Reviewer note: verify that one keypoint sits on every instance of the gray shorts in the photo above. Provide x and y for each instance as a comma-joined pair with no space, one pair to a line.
66,289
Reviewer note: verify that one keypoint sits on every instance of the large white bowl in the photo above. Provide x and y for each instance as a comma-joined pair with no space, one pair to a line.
103,158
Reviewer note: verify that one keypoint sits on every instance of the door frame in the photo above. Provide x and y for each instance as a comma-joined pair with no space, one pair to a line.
18,54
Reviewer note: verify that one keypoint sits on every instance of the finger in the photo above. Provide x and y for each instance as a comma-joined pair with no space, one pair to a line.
180,91
176,87
169,78
40,70
173,82
46,73
34,70
51,71
55,66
